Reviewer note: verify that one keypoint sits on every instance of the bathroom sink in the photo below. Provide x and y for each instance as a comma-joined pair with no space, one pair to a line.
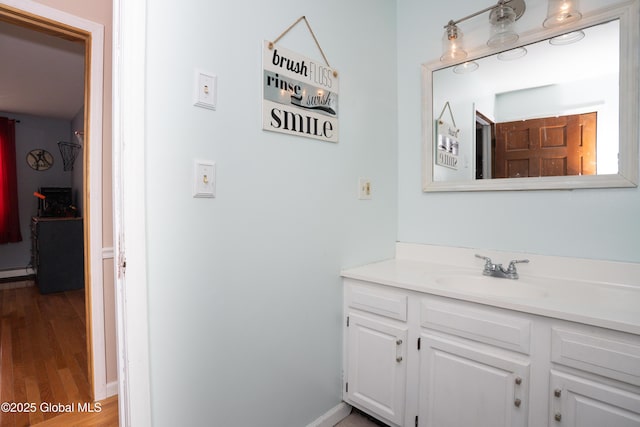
485,285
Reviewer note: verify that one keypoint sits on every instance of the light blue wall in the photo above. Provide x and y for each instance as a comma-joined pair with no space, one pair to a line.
582,223
244,289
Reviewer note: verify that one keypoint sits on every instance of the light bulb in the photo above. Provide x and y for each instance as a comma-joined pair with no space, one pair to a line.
502,20
561,12
452,46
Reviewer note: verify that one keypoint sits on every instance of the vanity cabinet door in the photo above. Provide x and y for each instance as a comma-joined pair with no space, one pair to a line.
463,384
580,402
376,366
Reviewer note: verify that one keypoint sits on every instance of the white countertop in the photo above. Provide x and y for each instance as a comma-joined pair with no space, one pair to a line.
613,306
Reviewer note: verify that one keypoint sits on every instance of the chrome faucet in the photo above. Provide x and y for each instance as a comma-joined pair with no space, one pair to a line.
497,270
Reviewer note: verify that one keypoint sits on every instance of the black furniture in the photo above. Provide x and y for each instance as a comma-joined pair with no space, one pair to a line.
58,253
57,202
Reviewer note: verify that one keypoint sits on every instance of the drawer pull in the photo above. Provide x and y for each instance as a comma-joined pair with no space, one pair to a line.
399,359
558,416
517,402
557,392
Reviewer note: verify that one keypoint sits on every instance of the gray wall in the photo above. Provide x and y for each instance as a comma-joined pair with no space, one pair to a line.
77,175
34,132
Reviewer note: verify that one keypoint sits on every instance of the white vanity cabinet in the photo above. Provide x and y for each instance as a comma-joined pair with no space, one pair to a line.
462,384
474,370
595,378
376,343
418,359
580,402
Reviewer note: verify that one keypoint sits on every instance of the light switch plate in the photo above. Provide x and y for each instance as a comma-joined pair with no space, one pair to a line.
364,189
205,89
204,179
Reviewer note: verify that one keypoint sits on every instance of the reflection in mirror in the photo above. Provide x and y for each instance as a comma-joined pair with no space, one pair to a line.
546,109
557,111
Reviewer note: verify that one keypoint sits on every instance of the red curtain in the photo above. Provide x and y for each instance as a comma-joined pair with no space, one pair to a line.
9,218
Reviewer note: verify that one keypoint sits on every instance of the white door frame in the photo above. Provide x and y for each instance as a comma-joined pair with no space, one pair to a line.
93,203
129,133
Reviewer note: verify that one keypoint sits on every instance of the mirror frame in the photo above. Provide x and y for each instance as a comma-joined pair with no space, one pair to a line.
629,117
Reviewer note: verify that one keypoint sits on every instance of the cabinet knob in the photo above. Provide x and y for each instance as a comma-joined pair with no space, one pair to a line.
517,402
399,359
518,380
557,392
398,342
557,416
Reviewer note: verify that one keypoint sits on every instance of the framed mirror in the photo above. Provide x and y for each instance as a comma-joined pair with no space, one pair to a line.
559,110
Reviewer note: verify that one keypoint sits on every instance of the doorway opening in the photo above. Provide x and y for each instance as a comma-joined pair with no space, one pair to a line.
42,20
485,146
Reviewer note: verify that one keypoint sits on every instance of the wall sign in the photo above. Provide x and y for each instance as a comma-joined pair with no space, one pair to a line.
300,96
447,147
39,159
447,140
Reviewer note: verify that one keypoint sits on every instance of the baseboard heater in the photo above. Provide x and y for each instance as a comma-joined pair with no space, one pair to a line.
17,273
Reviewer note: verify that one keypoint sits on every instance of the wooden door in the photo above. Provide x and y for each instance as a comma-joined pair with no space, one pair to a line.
376,364
464,385
552,146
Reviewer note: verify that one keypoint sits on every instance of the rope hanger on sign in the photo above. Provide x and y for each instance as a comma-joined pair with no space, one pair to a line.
447,107
335,73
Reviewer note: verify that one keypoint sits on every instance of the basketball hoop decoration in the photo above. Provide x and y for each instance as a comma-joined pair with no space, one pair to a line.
69,152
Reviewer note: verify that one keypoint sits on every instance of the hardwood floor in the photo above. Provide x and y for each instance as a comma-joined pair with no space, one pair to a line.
107,417
43,359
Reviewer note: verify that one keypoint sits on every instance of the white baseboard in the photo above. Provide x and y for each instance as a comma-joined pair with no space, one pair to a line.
333,416
112,388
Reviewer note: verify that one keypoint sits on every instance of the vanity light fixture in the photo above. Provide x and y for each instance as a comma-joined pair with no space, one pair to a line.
510,55
452,44
466,67
572,37
502,17
561,12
